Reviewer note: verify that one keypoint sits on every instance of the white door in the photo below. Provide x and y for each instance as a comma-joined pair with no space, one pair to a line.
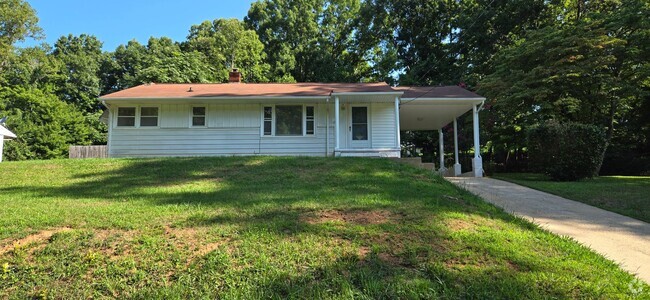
359,127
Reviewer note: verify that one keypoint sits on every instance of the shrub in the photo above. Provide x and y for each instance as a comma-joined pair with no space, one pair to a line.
566,151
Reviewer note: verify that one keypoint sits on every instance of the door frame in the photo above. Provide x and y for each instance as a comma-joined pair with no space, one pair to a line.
354,144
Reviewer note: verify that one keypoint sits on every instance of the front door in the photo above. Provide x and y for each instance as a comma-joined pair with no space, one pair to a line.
359,127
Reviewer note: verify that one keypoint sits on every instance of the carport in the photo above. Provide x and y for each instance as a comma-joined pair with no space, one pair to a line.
433,108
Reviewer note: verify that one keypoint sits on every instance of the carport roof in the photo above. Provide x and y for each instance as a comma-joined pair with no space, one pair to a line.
436,92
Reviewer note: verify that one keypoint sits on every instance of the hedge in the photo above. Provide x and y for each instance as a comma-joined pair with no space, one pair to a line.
566,151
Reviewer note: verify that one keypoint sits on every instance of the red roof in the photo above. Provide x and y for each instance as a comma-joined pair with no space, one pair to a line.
191,90
246,90
450,91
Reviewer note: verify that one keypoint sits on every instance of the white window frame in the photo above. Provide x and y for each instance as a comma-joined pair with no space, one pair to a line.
273,120
204,116
138,112
157,107
135,117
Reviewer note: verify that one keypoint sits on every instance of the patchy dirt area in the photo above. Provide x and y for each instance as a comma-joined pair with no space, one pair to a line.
461,224
115,244
39,237
361,217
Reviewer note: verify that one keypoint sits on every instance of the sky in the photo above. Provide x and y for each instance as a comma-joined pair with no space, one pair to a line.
116,22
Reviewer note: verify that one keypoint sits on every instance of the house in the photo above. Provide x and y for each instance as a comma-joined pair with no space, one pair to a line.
5,134
304,119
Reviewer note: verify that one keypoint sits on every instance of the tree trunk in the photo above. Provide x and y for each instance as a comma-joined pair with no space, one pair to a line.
613,104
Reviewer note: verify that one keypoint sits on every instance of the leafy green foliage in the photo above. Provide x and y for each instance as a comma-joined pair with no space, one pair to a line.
45,125
78,80
228,44
588,70
566,151
161,61
18,21
312,40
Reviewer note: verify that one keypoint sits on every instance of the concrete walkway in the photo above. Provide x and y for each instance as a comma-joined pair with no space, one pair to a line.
619,238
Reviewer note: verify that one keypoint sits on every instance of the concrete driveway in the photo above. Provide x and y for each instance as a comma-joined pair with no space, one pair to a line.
619,238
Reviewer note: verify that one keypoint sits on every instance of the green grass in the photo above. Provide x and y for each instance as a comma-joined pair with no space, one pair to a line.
626,195
259,227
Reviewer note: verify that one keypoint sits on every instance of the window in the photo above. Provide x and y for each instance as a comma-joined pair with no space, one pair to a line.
288,120
148,116
309,120
198,116
268,120
126,116
359,123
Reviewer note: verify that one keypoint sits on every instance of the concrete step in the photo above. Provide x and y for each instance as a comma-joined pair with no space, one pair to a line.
416,162
428,166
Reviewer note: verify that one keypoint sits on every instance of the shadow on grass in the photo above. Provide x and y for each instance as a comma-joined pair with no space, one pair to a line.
248,181
268,200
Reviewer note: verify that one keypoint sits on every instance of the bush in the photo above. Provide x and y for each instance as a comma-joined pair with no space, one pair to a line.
566,151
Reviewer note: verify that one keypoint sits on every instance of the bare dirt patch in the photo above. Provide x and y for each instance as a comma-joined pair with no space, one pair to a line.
39,237
362,217
456,224
194,239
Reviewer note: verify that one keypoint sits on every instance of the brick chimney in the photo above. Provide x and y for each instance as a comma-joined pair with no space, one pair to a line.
235,76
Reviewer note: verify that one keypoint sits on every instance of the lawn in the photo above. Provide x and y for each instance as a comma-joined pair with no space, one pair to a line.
626,195
260,227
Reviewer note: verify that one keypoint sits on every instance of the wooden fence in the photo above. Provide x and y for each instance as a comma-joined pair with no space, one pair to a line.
100,151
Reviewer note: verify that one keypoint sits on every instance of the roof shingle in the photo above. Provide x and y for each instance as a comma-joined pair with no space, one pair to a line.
246,90
198,90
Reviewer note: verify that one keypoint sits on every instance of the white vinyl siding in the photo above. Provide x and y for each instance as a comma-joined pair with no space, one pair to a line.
233,129
383,131
233,115
174,116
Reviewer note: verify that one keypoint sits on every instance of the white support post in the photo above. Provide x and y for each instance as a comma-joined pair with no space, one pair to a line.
441,149
337,109
457,166
477,161
2,140
398,141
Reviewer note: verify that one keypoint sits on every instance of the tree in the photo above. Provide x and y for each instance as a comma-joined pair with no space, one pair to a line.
17,21
167,63
45,125
312,40
228,44
33,67
161,60
582,72
78,83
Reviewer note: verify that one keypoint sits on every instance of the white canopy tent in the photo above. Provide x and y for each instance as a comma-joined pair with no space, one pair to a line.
5,134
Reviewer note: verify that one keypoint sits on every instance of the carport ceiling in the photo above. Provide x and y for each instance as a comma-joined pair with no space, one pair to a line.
423,114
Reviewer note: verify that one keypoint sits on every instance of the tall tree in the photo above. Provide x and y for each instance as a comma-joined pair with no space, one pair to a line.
311,40
228,44
161,60
18,21
165,62
45,125
80,58
584,71
34,67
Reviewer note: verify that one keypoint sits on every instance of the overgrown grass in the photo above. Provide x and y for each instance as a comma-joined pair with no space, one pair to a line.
626,195
260,227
